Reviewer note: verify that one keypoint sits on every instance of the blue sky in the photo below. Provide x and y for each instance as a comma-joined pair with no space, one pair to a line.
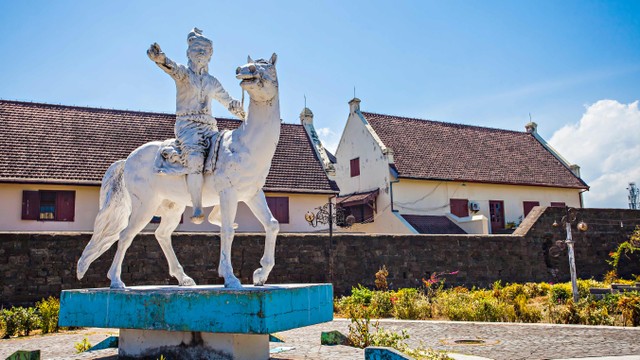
487,63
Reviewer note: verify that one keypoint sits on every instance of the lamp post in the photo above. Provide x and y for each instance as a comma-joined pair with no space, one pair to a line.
569,218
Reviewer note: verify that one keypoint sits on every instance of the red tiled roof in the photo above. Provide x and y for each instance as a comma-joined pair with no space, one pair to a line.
68,144
432,224
425,149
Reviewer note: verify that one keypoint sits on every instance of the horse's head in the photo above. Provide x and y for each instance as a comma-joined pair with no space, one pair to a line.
259,78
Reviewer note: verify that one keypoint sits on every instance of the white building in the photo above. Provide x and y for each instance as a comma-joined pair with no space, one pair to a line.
54,157
402,175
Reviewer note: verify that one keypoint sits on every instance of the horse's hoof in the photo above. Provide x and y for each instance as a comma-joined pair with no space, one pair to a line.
233,284
117,285
259,277
187,281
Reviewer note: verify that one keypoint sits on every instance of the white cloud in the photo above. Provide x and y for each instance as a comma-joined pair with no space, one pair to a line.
605,143
329,139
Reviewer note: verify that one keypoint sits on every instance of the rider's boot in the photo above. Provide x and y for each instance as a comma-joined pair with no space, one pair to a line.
194,183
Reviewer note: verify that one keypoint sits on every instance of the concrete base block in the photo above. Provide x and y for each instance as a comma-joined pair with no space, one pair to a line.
151,344
197,322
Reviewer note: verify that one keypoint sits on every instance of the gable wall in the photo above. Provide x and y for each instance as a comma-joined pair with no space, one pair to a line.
357,141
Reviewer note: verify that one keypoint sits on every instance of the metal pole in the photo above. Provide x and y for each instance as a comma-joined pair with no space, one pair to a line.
330,220
572,259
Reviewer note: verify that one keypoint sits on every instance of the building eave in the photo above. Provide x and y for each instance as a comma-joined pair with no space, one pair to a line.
586,187
49,181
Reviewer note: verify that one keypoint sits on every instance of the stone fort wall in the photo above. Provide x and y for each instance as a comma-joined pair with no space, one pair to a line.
33,266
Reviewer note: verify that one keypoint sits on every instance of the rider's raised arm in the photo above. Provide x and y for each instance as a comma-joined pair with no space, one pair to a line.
222,96
167,65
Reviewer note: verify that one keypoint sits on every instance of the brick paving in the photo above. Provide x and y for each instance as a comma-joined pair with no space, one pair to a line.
502,341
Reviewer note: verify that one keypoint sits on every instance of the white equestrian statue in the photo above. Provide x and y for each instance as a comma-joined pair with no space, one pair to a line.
132,192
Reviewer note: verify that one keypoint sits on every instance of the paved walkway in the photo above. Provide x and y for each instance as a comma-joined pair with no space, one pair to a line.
500,341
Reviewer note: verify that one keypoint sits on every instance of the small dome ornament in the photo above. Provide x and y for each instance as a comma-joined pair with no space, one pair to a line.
582,226
309,217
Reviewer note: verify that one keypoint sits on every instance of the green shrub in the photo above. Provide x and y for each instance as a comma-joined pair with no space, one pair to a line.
9,323
567,313
595,313
525,312
423,353
560,293
454,305
490,309
511,291
381,279
361,295
360,331
409,304
390,339
19,320
48,309
381,305
533,290
82,346
629,306
27,319
479,305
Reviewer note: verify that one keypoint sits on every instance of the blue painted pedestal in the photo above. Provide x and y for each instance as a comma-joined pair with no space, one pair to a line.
197,322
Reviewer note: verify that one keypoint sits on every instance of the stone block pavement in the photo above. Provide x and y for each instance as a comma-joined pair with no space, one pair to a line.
500,341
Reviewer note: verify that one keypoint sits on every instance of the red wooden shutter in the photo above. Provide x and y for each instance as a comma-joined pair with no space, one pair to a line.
557,204
271,203
459,207
528,205
65,205
30,205
355,167
279,206
283,210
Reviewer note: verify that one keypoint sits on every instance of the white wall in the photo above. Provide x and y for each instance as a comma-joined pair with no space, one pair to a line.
86,209
11,208
427,197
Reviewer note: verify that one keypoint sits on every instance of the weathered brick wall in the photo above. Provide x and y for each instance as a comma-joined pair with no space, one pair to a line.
606,229
33,266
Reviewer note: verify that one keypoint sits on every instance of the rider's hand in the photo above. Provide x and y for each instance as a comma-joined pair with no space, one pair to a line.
156,54
235,107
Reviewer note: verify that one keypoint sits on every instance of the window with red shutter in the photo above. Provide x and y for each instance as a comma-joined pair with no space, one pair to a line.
558,204
355,167
48,205
65,205
279,206
528,205
459,207
30,205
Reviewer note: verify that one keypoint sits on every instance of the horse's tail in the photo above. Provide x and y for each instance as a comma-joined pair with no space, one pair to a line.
113,216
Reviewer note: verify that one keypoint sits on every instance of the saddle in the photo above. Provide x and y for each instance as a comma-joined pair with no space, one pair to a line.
169,160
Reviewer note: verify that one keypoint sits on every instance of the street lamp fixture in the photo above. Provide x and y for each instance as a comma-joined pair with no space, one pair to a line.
560,245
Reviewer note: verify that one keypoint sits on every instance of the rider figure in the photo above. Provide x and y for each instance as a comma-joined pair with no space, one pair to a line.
194,123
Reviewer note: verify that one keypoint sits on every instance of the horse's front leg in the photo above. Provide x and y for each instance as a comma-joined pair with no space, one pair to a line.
228,208
171,214
259,207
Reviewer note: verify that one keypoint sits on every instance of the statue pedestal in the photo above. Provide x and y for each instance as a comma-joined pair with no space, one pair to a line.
197,322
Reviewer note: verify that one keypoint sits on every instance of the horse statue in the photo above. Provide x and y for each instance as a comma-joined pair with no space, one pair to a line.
132,192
